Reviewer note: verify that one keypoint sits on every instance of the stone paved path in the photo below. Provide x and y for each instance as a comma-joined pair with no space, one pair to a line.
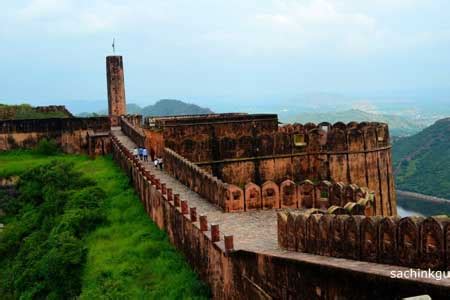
255,231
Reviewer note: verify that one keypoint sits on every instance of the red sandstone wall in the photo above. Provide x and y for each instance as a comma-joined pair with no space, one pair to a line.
196,179
413,242
207,138
70,133
244,150
354,153
133,131
248,275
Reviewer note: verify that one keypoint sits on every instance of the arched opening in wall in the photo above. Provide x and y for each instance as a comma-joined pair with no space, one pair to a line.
299,140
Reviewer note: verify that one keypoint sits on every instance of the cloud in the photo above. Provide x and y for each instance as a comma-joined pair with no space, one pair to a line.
85,17
300,25
249,28
42,9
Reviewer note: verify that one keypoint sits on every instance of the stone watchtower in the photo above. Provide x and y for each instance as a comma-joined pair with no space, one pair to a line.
116,88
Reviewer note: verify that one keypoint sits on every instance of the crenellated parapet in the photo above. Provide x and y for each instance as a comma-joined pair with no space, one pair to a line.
288,139
410,241
240,149
336,198
74,135
132,129
364,136
198,180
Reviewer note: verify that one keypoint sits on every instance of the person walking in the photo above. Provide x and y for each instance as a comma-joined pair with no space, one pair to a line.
145,154
135,152
160,163
155,162
140,153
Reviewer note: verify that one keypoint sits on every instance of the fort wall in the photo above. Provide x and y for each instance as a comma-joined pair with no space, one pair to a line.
240,274
240,149
413,242
354,153
134,132
336,198
72,134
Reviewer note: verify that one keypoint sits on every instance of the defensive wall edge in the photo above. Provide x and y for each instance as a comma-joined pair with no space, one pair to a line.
353,153
336,198
248,275
74,135
414,242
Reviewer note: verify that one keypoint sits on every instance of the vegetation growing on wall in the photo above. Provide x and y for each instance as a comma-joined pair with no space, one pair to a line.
77,228
26,111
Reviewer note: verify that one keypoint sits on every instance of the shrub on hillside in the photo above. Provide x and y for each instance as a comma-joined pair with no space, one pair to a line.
42,252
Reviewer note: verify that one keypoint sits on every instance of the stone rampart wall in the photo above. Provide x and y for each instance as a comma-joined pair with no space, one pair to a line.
411,241
70,133
208,186
356,153
336,198
133,131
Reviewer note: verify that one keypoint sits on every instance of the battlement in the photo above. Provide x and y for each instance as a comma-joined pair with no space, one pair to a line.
336,198
294,139
187,120
240,149
410,241
130,125
74,135
53,124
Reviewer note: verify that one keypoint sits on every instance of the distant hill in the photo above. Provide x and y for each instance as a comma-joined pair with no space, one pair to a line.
25,111
164,107
169,107
398,126
422,161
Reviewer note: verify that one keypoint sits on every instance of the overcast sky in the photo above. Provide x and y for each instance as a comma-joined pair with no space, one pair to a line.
237,50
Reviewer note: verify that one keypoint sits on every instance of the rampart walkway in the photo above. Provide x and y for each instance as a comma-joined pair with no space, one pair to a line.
252,231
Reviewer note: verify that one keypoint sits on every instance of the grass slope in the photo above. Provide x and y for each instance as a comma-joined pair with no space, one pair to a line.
128,257
422,161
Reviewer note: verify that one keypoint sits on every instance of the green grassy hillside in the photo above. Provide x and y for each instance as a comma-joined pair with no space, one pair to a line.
164,107
422,161
122,256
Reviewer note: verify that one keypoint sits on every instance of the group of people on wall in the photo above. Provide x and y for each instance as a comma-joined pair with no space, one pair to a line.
142,154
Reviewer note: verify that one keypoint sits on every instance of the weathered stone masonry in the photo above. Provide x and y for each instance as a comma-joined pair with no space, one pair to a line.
244,274
240,149
324,195
74,135
411,241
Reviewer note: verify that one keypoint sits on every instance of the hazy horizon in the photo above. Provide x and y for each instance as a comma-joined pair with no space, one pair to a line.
234,53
